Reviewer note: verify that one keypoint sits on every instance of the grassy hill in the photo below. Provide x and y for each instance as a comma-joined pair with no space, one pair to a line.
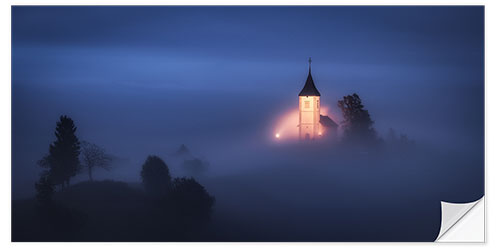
102,211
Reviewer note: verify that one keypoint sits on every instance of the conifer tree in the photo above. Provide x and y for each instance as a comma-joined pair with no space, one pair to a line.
62,161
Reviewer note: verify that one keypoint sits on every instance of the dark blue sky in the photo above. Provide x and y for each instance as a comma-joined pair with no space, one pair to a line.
161,76
243,48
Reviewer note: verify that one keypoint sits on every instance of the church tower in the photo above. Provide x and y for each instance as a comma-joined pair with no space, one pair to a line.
309,105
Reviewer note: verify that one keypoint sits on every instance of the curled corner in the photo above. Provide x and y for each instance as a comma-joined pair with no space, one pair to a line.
462,222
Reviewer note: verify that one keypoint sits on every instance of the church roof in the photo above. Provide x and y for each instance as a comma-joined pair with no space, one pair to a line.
309,88
326,121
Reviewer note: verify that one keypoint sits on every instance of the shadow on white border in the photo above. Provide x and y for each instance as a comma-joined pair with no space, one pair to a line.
462,222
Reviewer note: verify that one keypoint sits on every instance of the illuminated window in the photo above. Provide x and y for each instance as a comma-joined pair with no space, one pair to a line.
317,103
306,104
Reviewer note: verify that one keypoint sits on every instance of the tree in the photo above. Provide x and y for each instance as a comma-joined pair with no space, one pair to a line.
391,135
44,188
194,166
63,161
398,141
94,156
156,176
191,199
357,123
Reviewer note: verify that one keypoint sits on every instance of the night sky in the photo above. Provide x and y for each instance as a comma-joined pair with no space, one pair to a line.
143,80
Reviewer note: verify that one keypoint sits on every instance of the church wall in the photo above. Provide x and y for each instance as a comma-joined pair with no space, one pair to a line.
309,107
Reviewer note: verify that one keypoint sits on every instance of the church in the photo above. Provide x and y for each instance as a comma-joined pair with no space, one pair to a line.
313,125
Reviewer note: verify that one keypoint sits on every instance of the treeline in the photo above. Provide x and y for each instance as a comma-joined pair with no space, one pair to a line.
358,130
66,158
165,208
190,198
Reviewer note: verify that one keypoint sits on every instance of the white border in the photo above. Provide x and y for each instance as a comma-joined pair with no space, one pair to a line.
492,17
248,2
468,228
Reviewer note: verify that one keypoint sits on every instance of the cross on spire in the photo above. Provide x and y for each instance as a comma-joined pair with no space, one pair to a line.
309,88
309,64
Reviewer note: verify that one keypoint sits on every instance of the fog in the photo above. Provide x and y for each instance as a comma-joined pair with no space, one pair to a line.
220,85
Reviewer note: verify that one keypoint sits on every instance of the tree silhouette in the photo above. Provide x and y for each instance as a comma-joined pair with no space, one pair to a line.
44,188
156,176
398,141
357,123
194,166
391,135
191,199
94,156
62,161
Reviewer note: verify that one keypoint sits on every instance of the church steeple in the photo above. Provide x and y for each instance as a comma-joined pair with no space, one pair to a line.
309,107
309,88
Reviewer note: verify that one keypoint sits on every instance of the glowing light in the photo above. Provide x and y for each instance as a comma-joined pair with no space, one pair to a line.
325,109
285,126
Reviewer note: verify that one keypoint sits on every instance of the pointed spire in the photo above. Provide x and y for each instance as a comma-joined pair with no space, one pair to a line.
309,88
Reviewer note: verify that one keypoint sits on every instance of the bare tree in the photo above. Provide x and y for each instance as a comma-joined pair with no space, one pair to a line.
94,156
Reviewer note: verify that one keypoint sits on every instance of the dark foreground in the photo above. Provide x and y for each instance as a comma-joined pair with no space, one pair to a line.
330,197
104,211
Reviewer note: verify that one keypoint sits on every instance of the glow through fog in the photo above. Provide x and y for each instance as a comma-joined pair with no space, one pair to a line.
286,128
